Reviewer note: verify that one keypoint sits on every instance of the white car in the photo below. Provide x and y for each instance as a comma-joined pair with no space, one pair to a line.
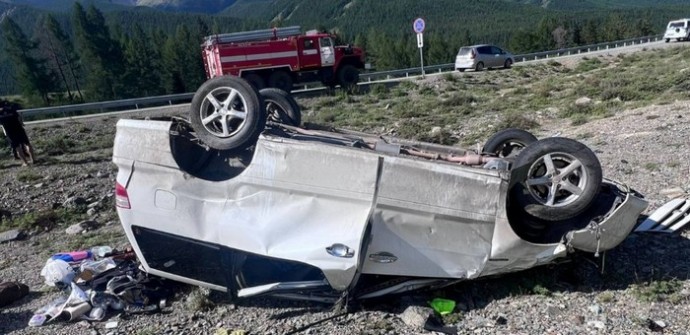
678,30
316,214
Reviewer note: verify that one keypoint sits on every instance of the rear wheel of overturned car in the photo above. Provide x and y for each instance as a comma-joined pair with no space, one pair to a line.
227,113
280,79
555,179
281,107
508,142
479,67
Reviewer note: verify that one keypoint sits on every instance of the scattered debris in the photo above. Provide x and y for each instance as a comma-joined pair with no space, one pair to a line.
99,279
442,306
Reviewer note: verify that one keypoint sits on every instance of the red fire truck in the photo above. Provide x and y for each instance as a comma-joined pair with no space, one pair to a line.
280,57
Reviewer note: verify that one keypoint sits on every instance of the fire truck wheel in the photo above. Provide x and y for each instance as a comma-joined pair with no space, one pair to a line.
348,76
227,113
256,80
280,79
281,107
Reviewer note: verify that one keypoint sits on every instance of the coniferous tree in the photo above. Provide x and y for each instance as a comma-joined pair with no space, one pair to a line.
58,50
34,79
100,53
143,65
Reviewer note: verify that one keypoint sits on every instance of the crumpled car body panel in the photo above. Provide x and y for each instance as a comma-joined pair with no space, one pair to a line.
330,212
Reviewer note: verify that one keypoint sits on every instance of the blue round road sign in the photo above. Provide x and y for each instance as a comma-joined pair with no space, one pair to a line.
418,25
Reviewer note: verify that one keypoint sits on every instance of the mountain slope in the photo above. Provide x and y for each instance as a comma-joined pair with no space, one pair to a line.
196,6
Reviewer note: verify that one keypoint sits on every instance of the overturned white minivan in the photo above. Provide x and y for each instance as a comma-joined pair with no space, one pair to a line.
678,30
319,214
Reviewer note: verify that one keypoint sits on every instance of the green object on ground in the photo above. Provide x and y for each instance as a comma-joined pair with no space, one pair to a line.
442,306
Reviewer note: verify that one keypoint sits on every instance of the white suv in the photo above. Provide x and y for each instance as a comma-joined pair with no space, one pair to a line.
678,29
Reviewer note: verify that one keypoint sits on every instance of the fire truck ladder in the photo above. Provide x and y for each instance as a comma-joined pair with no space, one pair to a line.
255,35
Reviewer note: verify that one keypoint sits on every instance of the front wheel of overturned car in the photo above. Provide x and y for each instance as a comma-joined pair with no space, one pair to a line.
227,114
508,142
555,179
281,107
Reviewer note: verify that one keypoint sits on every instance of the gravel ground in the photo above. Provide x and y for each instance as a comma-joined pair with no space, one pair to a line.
644,286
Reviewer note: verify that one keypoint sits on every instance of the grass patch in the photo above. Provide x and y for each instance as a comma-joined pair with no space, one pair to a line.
651,166
28,175
657,291
44,220
588,64
605,297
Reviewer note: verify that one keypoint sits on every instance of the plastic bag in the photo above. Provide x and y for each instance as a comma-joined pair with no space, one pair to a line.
58,272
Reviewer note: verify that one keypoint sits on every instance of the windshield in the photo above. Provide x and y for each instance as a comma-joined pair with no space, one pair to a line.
680,24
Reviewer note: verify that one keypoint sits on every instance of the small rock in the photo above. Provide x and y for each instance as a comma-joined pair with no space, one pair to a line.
74,229
416,316
73,202
583,101
91,212
596,324
656,326
81,227
39,185
93,204
501,320
111,325
624,161
11,235
578,320
435,131
595,309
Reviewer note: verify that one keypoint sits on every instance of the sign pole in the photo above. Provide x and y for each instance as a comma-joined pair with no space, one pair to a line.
420,37
418,27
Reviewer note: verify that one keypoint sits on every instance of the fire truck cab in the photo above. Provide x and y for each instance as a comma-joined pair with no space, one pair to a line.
281,57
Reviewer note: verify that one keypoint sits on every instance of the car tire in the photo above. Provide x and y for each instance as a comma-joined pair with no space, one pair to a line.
508,64
256,80
280,79
348,76
479,67
281,107
555,179
461,70
668,40
508,142
227,113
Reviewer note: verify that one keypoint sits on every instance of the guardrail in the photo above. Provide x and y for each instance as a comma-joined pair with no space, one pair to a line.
96,107
136,103
518,58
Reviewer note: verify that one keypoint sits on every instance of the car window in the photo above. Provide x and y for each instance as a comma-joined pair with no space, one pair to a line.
676,25
496,50
484,50
464,51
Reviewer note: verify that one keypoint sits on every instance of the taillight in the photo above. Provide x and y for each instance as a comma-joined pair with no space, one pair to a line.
121,197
